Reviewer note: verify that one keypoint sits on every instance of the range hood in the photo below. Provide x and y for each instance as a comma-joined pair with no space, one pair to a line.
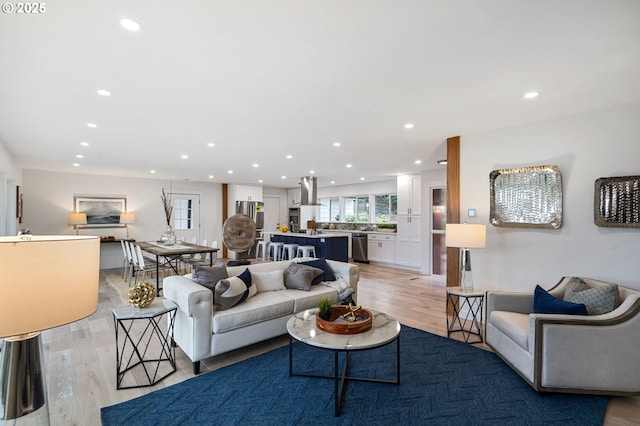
308,191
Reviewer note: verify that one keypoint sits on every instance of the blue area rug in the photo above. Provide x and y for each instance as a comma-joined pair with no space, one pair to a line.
443,382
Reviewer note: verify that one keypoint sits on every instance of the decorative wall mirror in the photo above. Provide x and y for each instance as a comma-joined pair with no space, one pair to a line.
617,202
526,197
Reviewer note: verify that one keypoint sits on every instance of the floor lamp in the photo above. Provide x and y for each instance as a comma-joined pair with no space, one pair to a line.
465,236
46,282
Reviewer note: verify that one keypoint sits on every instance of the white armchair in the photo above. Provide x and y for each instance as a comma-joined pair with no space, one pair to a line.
597,354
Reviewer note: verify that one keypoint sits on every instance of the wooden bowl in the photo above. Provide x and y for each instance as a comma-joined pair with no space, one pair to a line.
345,327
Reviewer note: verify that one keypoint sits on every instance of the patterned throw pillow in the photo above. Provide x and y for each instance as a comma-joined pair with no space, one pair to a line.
232,291
598,300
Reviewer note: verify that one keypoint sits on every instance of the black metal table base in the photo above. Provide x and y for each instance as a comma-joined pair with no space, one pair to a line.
340,378
151,366
468,327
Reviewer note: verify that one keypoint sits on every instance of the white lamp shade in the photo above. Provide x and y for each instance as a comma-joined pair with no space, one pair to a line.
77,218
127,218
47,281
465,235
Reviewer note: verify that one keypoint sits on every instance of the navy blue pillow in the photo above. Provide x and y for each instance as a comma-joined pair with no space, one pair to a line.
327,272
246,277
544,303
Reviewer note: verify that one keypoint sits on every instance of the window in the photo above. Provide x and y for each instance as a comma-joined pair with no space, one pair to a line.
356,209
385,208
182,214
329,209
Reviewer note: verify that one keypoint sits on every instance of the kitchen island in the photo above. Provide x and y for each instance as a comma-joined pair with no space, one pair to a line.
334,245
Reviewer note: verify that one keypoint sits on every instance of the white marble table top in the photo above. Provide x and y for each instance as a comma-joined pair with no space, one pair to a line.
158,307
302,327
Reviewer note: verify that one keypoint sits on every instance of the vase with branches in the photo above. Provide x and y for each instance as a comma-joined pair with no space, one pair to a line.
169,235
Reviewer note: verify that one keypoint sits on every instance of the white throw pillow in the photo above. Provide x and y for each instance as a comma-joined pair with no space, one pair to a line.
268,281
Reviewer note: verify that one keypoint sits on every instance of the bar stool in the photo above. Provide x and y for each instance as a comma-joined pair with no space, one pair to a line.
289,251
275,251
264,245
306,251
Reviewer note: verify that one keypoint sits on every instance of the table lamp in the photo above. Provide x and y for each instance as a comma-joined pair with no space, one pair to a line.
46,282
465,236
76,219
127,218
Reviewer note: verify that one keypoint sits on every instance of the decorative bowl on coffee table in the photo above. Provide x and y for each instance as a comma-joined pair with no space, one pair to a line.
340,322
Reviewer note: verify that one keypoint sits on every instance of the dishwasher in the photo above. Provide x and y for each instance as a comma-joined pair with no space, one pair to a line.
359,247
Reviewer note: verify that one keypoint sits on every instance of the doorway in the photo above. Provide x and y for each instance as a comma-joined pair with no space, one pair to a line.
186,217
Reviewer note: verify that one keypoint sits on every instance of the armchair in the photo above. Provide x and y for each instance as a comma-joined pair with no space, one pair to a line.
596,354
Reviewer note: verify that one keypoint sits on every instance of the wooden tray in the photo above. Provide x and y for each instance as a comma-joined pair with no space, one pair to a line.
346,327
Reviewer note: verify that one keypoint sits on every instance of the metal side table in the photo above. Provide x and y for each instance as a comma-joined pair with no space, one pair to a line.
143,344
471,301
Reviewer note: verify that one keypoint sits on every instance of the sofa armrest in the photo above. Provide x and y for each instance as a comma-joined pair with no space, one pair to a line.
509,301
348,271
193,325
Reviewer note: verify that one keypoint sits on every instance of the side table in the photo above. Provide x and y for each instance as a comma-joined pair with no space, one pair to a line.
469,326
143,345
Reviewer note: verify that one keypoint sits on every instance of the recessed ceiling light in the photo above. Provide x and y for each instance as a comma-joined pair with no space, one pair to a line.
230,172
361,178
283,177
337,144
418,161
442,162
289,157
531,95
152,171
79,156
130,24
210,176
255,165
211,144
76,164
184,156
259,180
103,92
333,182
408,126
84,143
312,172
92,125
349,166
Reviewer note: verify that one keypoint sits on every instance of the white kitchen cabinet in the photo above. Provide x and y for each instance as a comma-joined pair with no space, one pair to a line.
294,196
248,193
381,248
409,189
409,241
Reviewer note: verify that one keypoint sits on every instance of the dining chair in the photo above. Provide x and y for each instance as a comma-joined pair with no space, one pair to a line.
206,259
125,260
145,265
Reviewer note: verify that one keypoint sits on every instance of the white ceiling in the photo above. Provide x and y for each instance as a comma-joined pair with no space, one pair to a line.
262,79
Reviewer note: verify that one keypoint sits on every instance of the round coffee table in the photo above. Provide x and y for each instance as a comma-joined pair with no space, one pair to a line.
384,330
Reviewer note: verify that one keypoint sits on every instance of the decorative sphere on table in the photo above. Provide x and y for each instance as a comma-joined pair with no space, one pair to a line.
142,295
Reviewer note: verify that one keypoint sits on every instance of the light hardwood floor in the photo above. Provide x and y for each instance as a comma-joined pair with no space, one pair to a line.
80,357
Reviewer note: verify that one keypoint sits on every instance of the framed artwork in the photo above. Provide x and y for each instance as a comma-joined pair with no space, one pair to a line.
526,197
617,202
19,204
102,212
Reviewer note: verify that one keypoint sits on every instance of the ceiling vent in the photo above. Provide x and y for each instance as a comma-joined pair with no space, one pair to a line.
308,191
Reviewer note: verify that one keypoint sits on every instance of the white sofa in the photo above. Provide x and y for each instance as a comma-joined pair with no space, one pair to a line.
596,354
202,332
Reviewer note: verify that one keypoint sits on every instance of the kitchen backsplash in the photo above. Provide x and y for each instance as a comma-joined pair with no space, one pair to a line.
349,226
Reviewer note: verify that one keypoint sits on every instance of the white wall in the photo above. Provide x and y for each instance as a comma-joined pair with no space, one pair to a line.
9,178
585,146
48,199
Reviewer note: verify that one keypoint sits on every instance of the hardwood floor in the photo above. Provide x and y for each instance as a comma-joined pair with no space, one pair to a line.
81,357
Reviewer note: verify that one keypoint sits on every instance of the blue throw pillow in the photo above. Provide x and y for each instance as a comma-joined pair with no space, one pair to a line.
544,303
327,272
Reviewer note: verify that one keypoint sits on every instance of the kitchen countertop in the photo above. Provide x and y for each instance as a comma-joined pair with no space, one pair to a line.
355,231
333,234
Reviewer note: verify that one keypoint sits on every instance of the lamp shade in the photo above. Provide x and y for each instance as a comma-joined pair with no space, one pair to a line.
77,218
465,235
127,218
47,281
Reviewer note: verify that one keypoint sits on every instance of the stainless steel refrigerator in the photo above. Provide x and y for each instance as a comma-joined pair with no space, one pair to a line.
253,209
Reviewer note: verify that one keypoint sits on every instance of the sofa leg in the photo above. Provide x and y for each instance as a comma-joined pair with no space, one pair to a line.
196,367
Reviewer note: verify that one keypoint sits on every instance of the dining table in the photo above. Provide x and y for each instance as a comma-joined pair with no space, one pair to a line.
168,254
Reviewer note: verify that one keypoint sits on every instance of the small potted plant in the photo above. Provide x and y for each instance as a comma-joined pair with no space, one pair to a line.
325,308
